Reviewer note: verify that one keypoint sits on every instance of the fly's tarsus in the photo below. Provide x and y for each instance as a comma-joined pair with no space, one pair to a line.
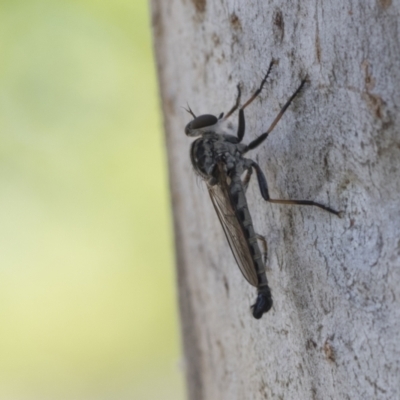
258,91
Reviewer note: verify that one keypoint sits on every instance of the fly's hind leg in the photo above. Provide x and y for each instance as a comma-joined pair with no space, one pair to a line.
263,241
262,182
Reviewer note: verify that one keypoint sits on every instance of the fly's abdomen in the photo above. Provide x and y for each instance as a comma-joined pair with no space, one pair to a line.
239,203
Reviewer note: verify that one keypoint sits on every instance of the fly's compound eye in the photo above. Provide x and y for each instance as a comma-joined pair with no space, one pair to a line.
193,128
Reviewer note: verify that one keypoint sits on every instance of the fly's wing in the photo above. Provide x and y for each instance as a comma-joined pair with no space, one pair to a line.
219,194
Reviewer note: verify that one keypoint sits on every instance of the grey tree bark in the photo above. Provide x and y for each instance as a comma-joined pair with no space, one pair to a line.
334,330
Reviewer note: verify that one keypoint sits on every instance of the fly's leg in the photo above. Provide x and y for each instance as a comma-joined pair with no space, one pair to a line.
236,105
261,138
262,182
258,91
242,126
265,248
246,179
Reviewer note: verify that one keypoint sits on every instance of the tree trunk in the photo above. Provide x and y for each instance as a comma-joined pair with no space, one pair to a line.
334,329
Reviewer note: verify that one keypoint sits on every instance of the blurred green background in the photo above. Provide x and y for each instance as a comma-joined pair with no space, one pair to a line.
87,297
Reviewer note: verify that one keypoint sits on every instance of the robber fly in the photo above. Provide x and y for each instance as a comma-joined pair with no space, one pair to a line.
218,158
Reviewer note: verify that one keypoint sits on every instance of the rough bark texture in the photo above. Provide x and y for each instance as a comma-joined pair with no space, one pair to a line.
334,330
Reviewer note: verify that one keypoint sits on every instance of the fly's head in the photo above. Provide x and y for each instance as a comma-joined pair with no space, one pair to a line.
201,124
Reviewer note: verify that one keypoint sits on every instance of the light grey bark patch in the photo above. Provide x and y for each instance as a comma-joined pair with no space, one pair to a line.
235,21
200,5
329,350
216,39
384,3
278,26
318,47
373,101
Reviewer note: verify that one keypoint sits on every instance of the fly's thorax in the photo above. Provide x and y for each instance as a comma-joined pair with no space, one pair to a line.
203,155
212,148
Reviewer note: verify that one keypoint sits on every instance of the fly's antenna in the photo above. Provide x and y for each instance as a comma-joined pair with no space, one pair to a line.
189,110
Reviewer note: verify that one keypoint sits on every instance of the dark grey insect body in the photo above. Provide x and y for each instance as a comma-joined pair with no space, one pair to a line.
221,164
219,159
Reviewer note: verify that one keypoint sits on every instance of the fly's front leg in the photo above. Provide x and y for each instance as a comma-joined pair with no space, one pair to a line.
265,248
242,125
236,105
262,182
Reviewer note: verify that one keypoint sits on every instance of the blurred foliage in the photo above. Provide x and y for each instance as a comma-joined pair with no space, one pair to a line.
87,302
